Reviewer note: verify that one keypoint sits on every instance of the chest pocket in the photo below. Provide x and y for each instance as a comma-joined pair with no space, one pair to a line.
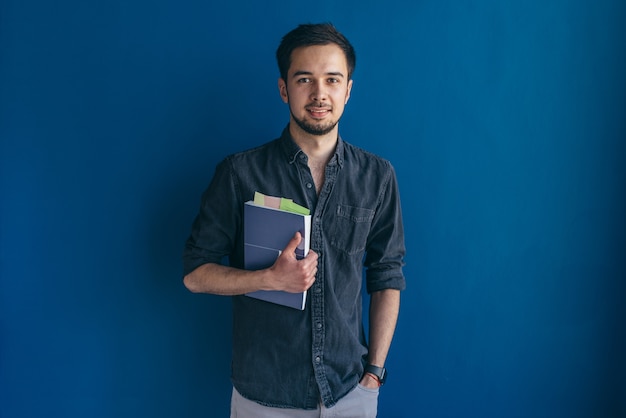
349,228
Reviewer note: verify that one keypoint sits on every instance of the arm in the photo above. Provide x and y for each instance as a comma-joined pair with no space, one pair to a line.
384,308
384,260
288,274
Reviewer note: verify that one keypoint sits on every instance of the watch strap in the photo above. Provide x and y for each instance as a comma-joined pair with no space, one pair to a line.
379,372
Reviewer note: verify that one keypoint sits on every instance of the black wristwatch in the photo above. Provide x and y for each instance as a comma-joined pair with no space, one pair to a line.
379,372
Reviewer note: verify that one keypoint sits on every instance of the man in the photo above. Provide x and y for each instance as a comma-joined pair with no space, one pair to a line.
315,362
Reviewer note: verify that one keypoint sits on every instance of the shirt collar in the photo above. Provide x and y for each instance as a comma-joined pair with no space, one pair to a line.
292,150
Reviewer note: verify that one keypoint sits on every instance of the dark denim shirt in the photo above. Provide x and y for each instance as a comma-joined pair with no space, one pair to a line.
284,357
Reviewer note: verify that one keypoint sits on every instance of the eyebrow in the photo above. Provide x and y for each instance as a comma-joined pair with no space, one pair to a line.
333,73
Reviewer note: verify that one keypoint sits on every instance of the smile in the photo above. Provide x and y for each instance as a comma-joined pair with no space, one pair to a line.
318,112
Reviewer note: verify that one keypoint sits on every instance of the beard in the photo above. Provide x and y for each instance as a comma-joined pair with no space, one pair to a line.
315,129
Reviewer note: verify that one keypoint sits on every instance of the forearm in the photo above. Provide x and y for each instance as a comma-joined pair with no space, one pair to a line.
384,308
224,280
287,273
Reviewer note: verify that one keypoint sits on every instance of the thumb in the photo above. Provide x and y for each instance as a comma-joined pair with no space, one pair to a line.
293,243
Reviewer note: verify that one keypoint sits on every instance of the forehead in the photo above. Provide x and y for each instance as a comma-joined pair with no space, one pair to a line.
318,59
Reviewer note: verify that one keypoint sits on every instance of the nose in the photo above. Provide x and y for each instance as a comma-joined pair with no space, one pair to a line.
318,92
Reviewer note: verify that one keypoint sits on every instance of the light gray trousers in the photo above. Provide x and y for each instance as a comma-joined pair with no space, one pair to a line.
361,402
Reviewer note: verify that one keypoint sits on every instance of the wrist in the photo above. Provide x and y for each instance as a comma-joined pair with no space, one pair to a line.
376,372
374,378
265,279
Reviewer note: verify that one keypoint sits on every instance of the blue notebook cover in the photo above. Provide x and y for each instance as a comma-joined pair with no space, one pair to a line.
266,232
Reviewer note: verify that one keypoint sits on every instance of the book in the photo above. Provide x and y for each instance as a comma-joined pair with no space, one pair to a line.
269,224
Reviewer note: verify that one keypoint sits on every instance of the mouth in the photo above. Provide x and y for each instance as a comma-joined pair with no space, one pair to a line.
318,112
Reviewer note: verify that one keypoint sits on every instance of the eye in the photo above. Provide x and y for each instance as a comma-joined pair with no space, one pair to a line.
333,80
304,80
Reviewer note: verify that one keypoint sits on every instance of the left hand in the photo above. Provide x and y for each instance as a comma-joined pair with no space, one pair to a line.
369,382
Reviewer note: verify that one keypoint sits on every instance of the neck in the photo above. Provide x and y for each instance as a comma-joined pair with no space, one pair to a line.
318,148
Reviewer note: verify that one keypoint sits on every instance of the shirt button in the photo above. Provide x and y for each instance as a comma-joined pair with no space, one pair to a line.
318,360
309,185
319,325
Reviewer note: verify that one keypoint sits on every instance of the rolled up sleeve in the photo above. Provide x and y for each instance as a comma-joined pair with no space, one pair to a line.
385,247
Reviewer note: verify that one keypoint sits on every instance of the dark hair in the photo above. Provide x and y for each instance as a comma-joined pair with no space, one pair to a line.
313,34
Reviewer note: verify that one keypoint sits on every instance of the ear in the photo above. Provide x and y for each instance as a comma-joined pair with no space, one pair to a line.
282,89
348,92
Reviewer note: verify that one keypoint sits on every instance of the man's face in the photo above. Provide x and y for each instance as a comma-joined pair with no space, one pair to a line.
317,88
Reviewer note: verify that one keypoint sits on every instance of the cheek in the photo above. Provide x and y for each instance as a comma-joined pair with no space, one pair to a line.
299,98
343,98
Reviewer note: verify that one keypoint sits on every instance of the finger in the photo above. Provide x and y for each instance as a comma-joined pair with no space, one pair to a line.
293,244
312,255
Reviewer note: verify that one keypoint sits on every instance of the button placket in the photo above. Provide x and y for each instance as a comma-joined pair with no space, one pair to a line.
317,296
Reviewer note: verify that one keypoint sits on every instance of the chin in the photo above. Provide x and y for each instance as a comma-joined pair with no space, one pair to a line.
318,129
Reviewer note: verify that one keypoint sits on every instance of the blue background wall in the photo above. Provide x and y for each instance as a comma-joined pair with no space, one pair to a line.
507,127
